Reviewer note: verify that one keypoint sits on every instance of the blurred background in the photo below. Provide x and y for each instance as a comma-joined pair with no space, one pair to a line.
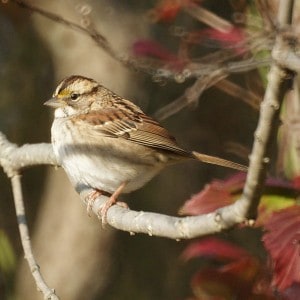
78,257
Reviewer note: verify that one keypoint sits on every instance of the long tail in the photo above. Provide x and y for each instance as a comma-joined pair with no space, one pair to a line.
219,161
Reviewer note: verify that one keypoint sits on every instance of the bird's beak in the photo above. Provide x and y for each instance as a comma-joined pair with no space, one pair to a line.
54,102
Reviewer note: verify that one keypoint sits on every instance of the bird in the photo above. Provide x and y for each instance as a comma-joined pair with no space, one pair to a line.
107,143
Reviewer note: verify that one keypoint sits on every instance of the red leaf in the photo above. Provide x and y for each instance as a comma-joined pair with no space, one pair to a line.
232,281
214,248
220,193
246,268
209,283
208,200
215,195
239,276
282,240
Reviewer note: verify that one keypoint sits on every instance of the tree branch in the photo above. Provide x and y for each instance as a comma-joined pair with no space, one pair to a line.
278,84
13,158
178,228
25,239
288,59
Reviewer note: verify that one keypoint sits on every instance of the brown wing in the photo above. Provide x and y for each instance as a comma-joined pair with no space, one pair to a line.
133,126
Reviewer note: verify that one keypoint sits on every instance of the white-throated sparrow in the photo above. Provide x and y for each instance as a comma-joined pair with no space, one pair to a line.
107,143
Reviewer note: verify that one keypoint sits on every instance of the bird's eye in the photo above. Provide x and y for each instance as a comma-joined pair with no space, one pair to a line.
74,96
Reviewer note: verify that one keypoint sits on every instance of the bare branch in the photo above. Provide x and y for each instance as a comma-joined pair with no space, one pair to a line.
178,228
14,158
137,222
288,59
278,85
285,13
197,70
25,239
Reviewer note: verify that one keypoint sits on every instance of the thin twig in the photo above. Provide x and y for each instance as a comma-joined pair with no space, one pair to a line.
193,93
237,149
190,96
239,92
197,70
25,239
209,18
264,8
101,40
13,159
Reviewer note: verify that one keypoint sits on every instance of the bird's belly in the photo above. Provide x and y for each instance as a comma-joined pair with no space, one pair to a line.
106,175
101,163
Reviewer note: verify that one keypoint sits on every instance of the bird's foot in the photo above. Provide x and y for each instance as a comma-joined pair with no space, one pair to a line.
102,213
91,199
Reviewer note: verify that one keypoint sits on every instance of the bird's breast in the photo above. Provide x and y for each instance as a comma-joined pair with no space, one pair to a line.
103,162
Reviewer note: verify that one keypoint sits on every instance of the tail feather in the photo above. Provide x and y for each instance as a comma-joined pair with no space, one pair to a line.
219,161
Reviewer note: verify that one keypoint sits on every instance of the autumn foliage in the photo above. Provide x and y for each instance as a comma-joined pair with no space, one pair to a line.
233,272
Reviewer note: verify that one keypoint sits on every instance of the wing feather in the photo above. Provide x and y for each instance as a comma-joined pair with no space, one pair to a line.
136,127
